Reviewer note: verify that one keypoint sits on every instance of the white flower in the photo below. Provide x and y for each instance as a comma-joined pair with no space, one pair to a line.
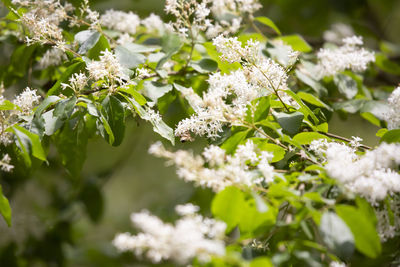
392,117
107,67
191,236
337,32
5,163
348,56
223,170
153,23
120,21
77,82
372,175
187,209
52,57
27,99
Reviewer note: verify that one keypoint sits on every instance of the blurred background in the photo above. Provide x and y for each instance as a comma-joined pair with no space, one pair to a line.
116,181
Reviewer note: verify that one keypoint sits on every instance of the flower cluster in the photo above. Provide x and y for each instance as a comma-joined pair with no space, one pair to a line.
52,57
43,19
24,103
247,167
108,67
392,117
373,175
229,95
120,21
191,236
192,17
347,56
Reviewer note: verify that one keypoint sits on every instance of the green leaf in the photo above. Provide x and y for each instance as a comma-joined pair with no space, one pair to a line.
101,45
296,42
277,151
261,262
392,136
20,59
306,138
290,122
7,105
5,208
228,206
336,235
351,106
364,231
386,65
313,100
252,219
71,143
130,89
127,58
170,43
371,118
262,105
29,142
93,200
346,85
303,108
74,68
310,81
268,22
87,39
155,90
204,65
233,141
114,114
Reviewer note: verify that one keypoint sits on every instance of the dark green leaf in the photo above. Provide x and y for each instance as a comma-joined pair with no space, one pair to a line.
114,114
101,45
204,65
291,122
92,198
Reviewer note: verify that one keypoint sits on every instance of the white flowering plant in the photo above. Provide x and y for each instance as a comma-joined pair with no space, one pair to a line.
286,191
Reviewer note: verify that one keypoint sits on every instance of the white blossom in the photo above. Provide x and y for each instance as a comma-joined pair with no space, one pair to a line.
77,82
52,57
372,175
153,23
5,163
223,170
392,117
192,236
120,21
348,56
107,67
27,99
337,32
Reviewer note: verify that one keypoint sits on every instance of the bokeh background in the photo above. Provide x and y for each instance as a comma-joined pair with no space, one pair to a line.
48,231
